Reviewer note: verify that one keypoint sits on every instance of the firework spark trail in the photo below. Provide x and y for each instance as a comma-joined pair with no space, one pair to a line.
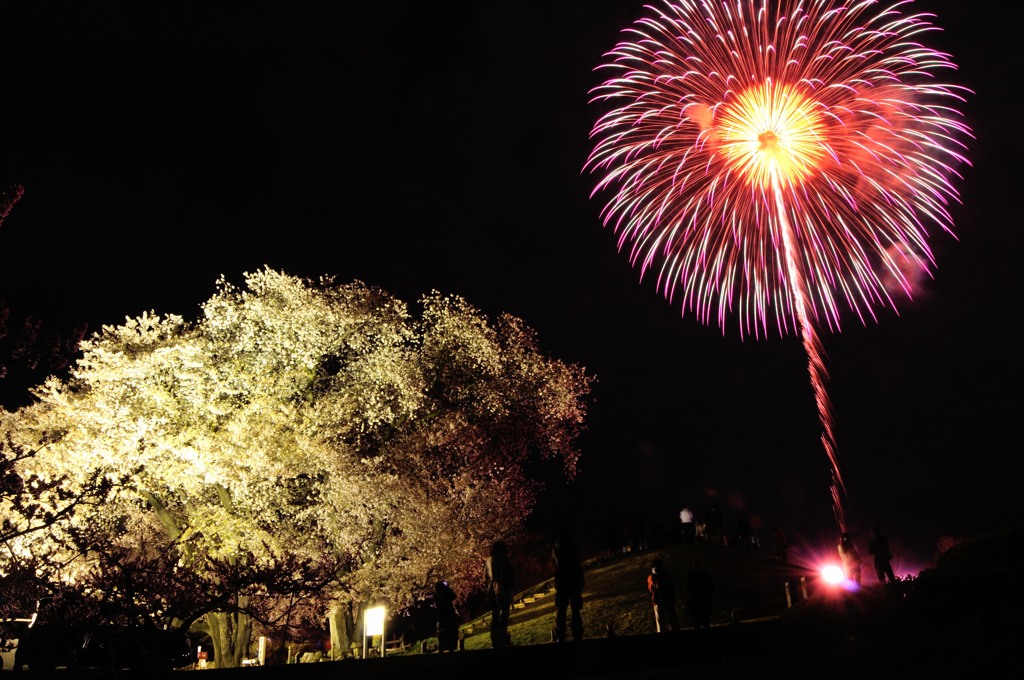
780,160
8,198
815,359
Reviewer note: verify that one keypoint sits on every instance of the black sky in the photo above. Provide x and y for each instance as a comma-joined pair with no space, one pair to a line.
439,145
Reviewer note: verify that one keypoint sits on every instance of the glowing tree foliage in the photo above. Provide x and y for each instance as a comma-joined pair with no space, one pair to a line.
319,422
777,161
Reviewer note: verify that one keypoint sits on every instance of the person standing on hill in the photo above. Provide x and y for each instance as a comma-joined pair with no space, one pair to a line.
640,531
781,544
568,558
700,528
700,594
713,524
850,556
614,544
663,597
686,520
447,617
878,547
629,543
658,534
501,587
742,532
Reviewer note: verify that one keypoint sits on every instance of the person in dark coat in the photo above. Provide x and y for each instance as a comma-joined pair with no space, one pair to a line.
663,597
501,588
447,617
781,544
743,532
568,559
700,588
878,547
713,525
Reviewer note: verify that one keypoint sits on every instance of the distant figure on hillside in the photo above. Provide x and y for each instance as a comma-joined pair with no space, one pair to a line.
700,592
851,558
663,597
713,524
447,617
742,532
686,520
501,587
614,544
628,536
658,534
640,532
568,558
878,547
781,544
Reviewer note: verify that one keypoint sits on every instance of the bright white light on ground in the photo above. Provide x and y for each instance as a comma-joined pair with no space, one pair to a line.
832,574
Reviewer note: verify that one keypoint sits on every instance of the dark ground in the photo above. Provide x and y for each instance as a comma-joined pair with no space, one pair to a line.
854,646
961,619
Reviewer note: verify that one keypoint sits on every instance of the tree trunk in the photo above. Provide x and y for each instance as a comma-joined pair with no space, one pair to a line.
231,633
343,620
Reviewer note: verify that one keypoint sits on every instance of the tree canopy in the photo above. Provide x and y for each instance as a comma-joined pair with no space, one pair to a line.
310,423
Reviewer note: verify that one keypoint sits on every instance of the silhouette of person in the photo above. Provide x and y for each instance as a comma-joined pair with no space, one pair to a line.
781,544
501,585
614,544
742,532
568,558
686,521
713,524
640,533
663,597
447,617
657,533
878,547
628,537
850,556
700,589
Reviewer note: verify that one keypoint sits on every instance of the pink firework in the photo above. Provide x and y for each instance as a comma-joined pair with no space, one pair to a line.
780,161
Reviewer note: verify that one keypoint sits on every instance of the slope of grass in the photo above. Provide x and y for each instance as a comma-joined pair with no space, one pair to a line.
961,618
748,585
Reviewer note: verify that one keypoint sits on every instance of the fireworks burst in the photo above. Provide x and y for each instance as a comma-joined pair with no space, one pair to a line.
778,161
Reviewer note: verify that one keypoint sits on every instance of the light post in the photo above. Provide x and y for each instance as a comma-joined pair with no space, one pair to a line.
373,624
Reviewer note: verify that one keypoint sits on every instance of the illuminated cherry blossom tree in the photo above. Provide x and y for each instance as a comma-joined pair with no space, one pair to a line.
315,423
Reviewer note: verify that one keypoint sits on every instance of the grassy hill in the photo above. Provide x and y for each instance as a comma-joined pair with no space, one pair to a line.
748,585
959,619
963,613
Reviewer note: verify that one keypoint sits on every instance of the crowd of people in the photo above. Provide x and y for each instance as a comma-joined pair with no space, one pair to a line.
633,534
567,558
697,588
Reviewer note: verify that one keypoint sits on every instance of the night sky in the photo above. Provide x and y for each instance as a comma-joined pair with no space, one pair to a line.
440,145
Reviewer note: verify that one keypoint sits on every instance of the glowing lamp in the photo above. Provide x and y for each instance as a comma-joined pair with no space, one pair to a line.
373,624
